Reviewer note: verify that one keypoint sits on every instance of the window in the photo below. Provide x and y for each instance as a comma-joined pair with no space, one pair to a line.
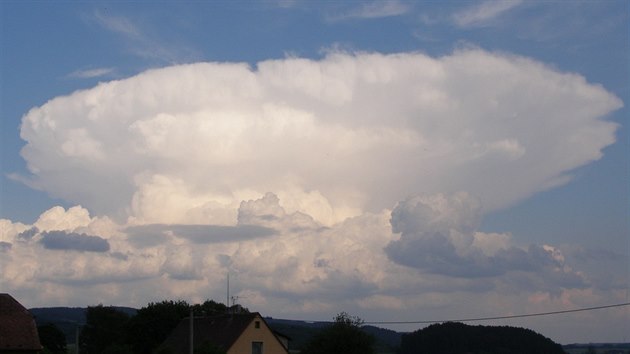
257,324
257,347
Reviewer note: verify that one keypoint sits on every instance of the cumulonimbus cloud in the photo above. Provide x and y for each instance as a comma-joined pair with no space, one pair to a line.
318,185
334,137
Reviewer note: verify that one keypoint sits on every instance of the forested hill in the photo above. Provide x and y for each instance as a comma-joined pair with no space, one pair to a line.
454,337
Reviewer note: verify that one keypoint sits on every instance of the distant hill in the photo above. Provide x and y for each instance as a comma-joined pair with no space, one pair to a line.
599,348
301,332
456,337
67,319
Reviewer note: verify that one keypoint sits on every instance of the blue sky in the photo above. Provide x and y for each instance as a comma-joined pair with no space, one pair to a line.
473,152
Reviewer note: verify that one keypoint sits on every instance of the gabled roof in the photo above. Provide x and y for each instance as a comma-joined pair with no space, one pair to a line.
17,326
222,330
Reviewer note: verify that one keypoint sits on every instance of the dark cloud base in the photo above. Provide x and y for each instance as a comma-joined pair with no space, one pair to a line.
201,234
62,240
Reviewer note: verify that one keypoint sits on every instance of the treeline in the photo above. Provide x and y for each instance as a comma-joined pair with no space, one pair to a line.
111,330
108,330
455,338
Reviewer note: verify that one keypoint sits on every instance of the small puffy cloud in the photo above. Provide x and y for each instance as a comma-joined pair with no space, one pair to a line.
9,230
267,211
57,218
61,240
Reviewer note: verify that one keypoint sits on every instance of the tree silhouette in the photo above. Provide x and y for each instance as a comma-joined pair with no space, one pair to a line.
344,336
153,323
105,327
52,339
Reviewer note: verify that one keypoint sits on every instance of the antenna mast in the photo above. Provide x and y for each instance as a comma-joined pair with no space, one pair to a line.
191,330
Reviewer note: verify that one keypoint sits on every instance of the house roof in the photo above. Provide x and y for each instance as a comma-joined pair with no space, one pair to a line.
222,330
17,326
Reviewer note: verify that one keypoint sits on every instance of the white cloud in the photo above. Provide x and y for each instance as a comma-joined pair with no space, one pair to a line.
371,10
117,24
482,13
438,235
331,138
301,270
286,176
139,42
90,73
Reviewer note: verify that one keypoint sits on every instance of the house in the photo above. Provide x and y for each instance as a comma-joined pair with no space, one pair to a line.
18,332
242,333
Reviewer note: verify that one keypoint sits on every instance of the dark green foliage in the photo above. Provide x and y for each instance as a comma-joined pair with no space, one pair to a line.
387,341
68,319
452,337
344,336
52,339
105,327
211,307
153,323
208,348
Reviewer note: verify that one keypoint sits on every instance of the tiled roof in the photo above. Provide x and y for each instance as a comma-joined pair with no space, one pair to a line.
221,330
17,326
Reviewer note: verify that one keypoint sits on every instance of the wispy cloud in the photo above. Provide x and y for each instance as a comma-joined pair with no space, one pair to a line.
140,43
90,73
375,9
481,14
117,24
285,4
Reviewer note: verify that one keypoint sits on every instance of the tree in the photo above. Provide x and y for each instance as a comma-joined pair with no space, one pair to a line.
153,323
210,308
344,336
105,327
52,339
